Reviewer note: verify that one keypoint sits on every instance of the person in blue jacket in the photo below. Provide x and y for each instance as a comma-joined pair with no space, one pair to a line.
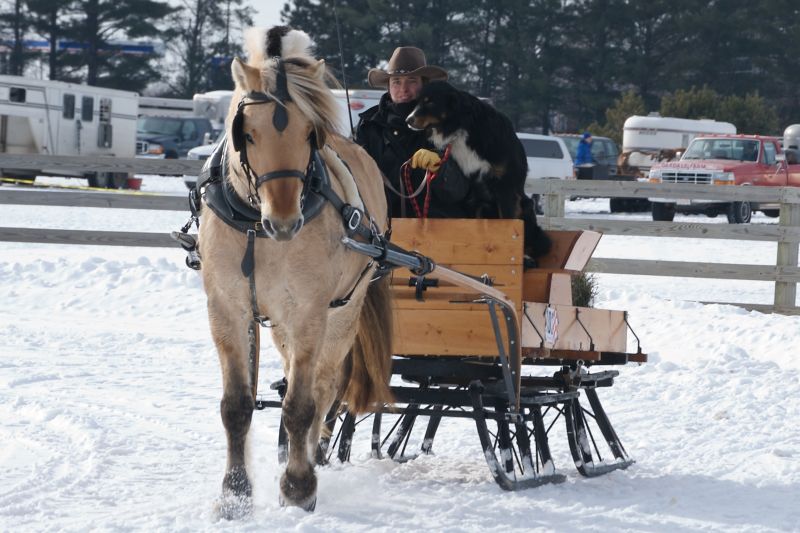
584,154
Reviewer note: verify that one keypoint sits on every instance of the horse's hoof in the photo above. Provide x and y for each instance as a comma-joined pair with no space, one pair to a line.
232,507
308,506
299,491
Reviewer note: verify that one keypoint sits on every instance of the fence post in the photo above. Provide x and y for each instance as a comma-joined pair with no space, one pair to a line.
553,202
786,292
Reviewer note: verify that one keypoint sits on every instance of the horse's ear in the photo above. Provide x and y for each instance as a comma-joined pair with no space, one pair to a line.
246,77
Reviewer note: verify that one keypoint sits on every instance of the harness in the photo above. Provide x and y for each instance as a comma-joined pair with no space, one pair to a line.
215,189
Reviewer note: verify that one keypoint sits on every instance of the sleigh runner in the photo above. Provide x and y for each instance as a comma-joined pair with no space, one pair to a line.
471,341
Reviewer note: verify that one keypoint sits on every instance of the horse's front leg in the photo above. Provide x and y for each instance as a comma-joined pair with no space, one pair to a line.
236,409
299,482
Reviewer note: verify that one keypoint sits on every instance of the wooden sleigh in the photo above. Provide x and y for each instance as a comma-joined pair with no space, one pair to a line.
504,347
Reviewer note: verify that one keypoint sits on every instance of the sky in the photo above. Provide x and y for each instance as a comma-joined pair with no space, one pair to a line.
269,12
110,388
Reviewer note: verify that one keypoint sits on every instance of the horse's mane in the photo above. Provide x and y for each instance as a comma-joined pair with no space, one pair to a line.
308,88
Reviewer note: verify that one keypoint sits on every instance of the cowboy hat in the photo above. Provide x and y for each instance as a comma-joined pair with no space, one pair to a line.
405,61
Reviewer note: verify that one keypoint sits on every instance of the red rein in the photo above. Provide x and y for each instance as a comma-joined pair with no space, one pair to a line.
429,177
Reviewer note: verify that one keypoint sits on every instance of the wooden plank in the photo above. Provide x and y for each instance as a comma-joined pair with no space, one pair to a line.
786,293
561,355
604,328
634,189
536,285
694,230
118,200
506,278
556,258
454,332
642,267
463,241
560,289
582,250
97,238
77,165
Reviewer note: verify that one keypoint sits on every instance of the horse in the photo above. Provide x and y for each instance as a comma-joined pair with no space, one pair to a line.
271,242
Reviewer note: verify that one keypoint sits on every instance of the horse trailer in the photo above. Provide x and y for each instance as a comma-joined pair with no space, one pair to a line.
157,106
58,118
791,137
645,139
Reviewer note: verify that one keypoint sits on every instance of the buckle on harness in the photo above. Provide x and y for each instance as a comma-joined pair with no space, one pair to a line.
354,220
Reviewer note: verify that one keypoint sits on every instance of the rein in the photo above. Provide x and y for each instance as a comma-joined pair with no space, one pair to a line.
426,182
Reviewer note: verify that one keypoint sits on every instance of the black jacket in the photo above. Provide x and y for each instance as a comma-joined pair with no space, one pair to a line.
384,134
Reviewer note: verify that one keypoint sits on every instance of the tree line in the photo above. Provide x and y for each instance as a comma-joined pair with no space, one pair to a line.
548,64
563,64
200,36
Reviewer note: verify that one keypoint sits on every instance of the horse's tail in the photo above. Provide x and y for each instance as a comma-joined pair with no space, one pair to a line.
371,356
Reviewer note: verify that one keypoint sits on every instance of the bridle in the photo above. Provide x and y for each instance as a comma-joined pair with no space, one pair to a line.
280,120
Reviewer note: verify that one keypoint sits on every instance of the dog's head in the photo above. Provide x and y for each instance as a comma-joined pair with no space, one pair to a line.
438,101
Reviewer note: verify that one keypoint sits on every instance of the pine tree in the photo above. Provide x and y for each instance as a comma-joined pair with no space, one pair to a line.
15,17
101,21
49,19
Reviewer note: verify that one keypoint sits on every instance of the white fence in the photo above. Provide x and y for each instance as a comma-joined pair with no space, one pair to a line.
785,273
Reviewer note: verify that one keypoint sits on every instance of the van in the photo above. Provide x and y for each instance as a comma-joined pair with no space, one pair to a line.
548,158
604,150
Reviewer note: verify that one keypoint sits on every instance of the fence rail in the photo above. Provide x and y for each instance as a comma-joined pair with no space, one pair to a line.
784,273
78,165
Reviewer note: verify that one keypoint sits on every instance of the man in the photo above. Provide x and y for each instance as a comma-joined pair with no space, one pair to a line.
584,161
384,134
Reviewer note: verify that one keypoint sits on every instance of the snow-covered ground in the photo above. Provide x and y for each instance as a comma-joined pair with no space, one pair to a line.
110,387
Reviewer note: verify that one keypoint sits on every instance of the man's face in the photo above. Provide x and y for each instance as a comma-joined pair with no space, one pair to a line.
404,89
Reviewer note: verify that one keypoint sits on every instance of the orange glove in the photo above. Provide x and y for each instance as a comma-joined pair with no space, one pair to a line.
427,159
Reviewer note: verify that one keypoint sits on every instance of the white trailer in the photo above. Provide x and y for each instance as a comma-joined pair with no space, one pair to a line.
643,137
57,118
157,106
791,137
214,106
360,101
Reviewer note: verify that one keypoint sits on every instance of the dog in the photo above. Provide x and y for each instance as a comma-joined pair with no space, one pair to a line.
484,145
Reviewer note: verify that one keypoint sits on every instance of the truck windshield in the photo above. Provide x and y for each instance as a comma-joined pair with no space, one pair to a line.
159,125
735,149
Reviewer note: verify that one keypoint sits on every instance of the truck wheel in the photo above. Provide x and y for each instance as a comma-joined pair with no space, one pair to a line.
117,180
739,212
96,179
618,205
663,212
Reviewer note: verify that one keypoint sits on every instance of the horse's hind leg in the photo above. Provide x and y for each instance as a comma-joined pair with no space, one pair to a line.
236,409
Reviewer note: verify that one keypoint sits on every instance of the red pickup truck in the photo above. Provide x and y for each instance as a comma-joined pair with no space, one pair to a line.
726,160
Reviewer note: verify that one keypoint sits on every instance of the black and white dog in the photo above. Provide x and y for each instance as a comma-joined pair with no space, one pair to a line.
483,143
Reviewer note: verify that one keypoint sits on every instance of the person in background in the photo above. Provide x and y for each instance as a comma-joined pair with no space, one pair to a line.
382,131
584,161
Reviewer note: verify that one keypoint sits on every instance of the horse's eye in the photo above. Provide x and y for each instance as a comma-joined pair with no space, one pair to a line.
249,138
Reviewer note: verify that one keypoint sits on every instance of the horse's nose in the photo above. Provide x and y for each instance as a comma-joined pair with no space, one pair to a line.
282,230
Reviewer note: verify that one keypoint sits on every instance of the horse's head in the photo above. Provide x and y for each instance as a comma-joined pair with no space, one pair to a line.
282,110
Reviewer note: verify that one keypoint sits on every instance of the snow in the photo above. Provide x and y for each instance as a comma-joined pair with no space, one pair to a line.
110,388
